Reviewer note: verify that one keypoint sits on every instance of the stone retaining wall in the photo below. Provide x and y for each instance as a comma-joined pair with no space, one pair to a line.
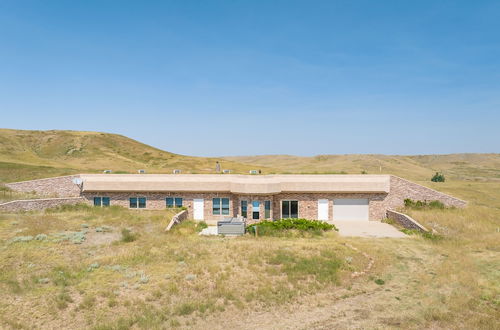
178,218
402,189
38,204
61,186
405,220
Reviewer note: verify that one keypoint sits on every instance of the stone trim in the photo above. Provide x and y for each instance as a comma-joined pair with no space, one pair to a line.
44,179
38,204
415,189
405,220
60,186
178,218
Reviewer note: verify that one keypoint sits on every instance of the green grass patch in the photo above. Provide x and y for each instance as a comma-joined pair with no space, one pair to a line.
285,227
128,236
426,235
323,268
419,205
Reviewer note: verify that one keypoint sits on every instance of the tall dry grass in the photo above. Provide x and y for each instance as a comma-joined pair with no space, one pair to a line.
158,278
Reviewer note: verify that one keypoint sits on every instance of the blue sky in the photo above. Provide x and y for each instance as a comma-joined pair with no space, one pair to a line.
214,78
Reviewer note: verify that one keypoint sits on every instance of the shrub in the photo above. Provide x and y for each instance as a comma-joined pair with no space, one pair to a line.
410,203
4,188
280,226
128,236
62,300
70,208
426,235
201,225
438,177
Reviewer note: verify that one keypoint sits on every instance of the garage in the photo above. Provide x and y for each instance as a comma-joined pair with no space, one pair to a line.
350,209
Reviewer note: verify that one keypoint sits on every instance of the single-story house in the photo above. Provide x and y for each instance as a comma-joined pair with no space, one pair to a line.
214,197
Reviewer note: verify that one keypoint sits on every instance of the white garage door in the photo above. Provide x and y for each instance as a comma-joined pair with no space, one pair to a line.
350,209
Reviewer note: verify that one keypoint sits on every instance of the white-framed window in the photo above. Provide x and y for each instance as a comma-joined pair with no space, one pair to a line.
220,206
101,201
244,209
173,202
289,209
137,202
267,209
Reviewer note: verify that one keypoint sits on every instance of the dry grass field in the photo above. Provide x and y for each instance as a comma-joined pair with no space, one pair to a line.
155,279
181,280
112,268
456,166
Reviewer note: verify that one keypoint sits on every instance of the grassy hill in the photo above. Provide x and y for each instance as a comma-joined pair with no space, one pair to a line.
28,155
456,166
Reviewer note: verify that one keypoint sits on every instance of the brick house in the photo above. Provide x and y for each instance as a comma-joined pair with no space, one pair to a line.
255,197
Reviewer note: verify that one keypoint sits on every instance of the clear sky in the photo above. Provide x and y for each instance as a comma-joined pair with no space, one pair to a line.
258,77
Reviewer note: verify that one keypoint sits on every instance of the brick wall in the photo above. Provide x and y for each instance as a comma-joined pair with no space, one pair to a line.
379,203
405,220
402,189
157,201
38,204
61,186
308,203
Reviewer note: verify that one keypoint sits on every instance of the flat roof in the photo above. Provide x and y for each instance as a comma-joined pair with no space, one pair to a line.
236,183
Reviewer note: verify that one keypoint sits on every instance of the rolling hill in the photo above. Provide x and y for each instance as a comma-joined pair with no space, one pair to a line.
457,166
28,155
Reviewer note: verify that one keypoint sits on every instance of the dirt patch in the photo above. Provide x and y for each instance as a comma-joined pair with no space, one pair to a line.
94,238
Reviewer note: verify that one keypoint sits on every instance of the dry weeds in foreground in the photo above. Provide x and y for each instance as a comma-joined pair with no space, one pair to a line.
182,280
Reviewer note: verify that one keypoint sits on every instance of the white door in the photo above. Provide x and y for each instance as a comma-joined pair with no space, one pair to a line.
198,206
350,209
323,209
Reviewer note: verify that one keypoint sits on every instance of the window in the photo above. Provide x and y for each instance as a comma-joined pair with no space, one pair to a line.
244,208
133,203
225,206
142,202
267,209
174,202
219,204
101,201
255,210
289,209
138,202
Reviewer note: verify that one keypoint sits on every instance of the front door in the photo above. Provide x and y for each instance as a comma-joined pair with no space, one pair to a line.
198,207
323,209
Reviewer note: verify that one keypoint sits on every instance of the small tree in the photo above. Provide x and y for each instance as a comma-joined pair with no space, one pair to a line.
438,177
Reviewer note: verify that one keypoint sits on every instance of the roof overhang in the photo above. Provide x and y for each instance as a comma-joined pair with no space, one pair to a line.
236,184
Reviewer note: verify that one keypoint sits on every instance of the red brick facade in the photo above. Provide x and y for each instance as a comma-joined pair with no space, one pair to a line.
379,203
307,202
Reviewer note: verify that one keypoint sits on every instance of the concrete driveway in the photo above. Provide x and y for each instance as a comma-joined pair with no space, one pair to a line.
367,229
